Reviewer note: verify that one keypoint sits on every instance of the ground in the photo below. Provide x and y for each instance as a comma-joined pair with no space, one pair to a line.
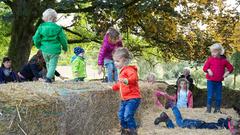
148,128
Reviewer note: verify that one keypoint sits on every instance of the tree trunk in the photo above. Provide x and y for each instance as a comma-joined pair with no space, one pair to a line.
25,15
234,81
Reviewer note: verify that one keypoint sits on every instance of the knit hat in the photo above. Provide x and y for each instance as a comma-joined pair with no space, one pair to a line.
78,50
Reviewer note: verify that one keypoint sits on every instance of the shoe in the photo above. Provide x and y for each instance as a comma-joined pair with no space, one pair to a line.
217,111
208,109
132,132
169,104
163,118
48,80
124,131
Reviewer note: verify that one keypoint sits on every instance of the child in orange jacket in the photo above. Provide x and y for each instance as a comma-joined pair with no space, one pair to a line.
129,91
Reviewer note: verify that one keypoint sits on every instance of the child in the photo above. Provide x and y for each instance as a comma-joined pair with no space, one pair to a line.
151,78
215,68
129,91
50,38
186,74
228,123
78,64
183,97
111,42
6,73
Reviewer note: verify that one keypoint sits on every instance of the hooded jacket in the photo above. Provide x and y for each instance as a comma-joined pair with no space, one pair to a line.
130,90
107,49
50,38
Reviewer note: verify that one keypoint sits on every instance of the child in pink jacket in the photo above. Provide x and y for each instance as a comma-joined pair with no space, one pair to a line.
183,97
217,68
111,42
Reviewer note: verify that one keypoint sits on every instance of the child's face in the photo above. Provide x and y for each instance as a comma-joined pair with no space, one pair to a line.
215,52
119,62
183,85
113,41
81,54
7,64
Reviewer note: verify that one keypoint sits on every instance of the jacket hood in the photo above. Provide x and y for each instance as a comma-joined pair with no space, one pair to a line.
50,29
130,68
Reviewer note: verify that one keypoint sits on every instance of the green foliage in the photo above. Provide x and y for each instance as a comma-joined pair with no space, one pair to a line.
199,77
235,59
5,28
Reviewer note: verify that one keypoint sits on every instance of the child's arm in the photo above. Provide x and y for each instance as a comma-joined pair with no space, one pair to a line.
132,77
63,40
229,68
206,65
190,102
75,67
37,38
206,68
101,54
171,97
116,87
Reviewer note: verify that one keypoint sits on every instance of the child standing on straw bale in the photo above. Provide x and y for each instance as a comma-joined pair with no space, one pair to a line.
50,38
111,42
78,64
215,67
129,91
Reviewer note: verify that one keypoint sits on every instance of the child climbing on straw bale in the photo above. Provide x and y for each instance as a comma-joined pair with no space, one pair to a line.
217,68
128,89
183,97
111,42
50,38
78,64
6,73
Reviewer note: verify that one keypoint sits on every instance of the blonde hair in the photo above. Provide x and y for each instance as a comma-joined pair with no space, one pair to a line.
49,15
123,53
113,33
187,69
217,46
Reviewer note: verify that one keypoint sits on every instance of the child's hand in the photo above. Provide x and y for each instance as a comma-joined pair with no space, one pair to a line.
124,80
210,73
226,74
41,80
100,69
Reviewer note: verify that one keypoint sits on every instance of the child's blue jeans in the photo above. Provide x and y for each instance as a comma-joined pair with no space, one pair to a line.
112,72
127,111
214,90
191,123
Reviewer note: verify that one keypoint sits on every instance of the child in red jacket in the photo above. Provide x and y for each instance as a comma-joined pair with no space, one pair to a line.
215,68
129,91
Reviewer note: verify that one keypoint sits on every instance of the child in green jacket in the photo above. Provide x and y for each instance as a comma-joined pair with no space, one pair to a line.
78,64
50,38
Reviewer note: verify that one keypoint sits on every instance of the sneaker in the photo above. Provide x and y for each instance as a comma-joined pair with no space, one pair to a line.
124,131
132,132
169,104
48,80
163,118
208,109
217,111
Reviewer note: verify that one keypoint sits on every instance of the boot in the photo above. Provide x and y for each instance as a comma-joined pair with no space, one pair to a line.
132,132
124,131
217,110
209,108
48,80
163,118
169,104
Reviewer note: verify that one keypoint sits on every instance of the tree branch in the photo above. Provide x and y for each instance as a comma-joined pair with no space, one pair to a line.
73,10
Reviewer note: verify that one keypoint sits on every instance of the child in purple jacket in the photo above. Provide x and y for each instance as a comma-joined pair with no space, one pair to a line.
111,42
